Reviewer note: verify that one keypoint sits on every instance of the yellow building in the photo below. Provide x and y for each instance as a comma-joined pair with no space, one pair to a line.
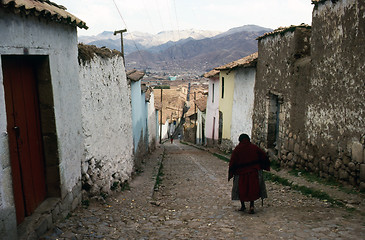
226,83
236,94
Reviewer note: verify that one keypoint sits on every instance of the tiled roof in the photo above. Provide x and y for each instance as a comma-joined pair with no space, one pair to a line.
211,73
149,92
43,8
201,103
135,75
283,30
249,61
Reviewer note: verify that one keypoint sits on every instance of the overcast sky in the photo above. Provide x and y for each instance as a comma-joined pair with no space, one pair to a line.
154,16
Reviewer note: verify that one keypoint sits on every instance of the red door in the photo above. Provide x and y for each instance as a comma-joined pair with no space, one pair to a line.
25,141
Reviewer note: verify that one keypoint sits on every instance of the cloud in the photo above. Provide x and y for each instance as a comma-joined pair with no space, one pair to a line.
159,15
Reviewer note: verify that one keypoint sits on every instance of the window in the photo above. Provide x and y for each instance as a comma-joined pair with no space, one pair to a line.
222,87
213,93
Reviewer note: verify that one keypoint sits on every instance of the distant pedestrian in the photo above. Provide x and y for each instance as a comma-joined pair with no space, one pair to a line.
245,167
172,139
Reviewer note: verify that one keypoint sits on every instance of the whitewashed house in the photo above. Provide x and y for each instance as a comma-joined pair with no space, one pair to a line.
237,80
106,120
201,105
41,140
212,108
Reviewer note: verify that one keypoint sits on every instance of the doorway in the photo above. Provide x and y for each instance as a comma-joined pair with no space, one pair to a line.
220,128
31,131
273,122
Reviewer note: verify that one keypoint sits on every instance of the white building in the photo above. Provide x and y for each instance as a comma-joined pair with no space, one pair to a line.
41,140
106,120
240,82
212,109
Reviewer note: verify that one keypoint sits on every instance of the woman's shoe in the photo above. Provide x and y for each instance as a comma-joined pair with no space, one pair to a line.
252,210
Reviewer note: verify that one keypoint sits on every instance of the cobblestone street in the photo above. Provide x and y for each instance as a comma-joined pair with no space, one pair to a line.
193,202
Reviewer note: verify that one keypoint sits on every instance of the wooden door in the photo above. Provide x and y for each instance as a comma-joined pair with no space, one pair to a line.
25,141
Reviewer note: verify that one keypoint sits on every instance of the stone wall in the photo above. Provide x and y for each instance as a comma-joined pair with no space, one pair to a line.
336,114
106,120
282,80
319,97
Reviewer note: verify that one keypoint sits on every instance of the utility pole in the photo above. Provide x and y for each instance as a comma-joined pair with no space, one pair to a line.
161,119
121,41
196,115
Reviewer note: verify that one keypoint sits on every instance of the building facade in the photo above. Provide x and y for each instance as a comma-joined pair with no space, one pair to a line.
212,109
41,141
105,102
309,93
244,71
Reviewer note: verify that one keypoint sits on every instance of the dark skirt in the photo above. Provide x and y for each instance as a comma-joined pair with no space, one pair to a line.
249,187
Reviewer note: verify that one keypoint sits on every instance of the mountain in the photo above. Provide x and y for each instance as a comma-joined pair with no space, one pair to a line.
175,52
143,40
245,28
198,56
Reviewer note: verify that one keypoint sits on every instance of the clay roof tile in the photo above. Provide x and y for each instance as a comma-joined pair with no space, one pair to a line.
43,8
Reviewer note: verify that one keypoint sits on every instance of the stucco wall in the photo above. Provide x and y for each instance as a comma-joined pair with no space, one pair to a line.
139,122
107,124
165,129
200,138
59,42
243,100
336,114
152,123
211,125
225,103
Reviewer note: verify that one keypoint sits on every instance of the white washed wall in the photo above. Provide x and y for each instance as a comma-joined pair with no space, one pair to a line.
243,101
59,43
152,123
212,112
107,123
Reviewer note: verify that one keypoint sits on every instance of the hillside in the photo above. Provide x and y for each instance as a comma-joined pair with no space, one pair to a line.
174,52
196,56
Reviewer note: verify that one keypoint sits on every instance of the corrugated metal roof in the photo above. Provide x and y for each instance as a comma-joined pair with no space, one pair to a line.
282,30
43,8
211,73
249,61
135,75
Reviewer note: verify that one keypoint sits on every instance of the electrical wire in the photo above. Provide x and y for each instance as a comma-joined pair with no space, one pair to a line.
134,42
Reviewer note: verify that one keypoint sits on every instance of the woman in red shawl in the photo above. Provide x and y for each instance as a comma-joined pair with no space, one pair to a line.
246,161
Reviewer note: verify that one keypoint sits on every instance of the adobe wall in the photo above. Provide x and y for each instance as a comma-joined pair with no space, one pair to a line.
106,120
336,114
282,81
321,96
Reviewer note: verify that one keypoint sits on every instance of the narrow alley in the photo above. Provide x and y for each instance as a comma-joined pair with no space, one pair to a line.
193,202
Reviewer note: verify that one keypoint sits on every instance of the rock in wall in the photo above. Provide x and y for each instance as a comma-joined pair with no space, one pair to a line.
107,123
